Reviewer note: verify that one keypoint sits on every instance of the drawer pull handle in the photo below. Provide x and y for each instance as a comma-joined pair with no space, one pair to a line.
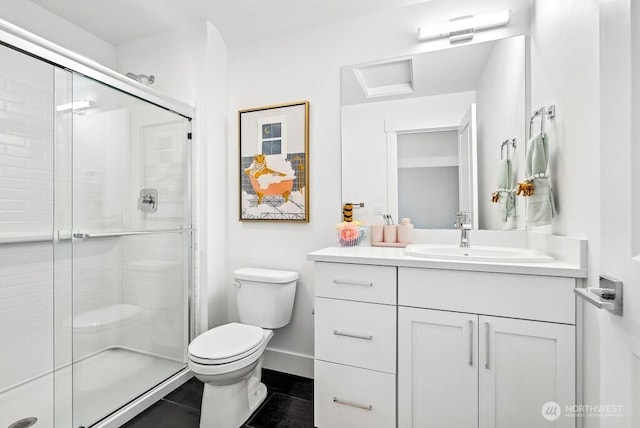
471,343
345,282
488,356
352,404
354,335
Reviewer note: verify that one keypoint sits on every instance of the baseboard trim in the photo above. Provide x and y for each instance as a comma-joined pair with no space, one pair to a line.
288,362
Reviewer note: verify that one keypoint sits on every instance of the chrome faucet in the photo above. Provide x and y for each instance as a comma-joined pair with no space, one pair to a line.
463,224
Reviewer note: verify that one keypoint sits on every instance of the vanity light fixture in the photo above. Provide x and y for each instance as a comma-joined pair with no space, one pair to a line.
462,28
75,106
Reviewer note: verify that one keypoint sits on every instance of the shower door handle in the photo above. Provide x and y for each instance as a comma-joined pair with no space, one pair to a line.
79,235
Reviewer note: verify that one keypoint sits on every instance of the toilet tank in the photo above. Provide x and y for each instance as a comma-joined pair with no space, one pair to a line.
265,296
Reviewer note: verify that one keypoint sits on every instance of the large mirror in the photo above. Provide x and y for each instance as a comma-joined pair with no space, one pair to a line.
422,135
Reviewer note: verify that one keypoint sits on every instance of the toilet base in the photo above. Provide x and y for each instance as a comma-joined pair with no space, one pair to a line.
256,393
230,406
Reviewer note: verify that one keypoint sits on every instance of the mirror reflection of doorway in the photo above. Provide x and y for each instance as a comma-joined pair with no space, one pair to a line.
428,178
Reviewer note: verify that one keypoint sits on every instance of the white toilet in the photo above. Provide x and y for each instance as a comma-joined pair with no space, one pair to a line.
228,358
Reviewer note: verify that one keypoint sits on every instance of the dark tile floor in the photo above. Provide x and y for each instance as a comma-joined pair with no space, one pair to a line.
289,404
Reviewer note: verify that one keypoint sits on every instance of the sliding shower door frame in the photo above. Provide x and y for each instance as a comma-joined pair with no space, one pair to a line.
17,38
42,49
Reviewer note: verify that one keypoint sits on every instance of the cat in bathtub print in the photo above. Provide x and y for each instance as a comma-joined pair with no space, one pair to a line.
267,181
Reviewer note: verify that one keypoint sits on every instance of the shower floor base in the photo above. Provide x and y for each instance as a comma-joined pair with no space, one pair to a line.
101,384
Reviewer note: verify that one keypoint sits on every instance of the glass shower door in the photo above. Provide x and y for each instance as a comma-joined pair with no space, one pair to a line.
131,247
26,249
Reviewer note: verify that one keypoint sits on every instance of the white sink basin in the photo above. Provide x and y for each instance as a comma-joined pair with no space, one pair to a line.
478,254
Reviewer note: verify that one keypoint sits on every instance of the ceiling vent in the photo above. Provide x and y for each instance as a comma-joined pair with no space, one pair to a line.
386,78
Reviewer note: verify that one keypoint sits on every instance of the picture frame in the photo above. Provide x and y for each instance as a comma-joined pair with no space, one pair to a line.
274,163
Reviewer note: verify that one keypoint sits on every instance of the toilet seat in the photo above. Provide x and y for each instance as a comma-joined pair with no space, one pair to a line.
226,343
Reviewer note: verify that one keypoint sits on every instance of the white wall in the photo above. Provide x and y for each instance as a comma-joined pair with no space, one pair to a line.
502,111
565,41
307,67
43,23
189,64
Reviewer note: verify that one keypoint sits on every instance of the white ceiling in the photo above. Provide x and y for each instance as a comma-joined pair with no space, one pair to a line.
121,21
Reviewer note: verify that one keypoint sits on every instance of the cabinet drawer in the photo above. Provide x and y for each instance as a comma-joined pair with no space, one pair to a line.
350,397
366,283
355,333
543,298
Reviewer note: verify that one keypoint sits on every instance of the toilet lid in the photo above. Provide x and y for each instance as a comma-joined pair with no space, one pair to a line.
221,344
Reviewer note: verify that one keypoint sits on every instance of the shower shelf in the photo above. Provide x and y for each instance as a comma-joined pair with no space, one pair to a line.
105,317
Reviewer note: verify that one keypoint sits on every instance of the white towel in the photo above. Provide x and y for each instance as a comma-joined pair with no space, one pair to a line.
540,206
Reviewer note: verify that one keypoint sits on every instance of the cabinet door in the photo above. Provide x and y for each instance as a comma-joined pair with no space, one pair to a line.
437,369
523,365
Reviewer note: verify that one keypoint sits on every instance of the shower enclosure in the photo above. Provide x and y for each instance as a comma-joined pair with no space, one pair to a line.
95,239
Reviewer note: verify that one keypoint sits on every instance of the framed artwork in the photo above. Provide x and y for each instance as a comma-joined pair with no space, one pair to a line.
274,159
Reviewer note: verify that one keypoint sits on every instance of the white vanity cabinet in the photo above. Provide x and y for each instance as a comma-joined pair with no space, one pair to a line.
480,349
410,343
355,345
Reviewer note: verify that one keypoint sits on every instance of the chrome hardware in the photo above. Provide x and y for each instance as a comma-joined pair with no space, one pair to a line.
132,233
60,235
352,404
345,282
354,335
507,143
470,342
488,344
80,235
608,296
24,423
148,200
463,224
550,112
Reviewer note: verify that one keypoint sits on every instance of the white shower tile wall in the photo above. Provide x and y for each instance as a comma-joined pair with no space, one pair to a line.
163,168
26,208
26,144
100,161
97,284
26,312
154,278
157,161
154,267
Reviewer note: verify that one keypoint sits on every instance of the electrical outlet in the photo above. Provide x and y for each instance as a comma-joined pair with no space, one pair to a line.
378,209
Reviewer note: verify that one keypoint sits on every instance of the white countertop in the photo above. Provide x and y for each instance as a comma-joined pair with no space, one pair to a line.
395,257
